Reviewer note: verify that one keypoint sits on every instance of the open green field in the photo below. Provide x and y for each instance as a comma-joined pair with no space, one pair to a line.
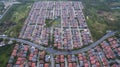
5,53
53,22
13,21
100,17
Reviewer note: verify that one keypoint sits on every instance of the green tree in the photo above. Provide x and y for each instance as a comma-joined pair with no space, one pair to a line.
1,39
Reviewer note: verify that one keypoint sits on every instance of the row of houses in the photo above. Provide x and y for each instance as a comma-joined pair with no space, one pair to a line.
74,32
103,55
71,38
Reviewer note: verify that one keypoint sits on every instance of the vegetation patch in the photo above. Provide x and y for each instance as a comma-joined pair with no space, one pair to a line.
53,22
5,53
13,21
48,22
100,17
1,7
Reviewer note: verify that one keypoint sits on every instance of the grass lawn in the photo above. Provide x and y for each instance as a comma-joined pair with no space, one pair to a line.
13,21
53,22
56,22
100,17
5,53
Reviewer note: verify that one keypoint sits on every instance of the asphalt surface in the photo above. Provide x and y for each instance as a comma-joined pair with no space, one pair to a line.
57,52
5,12
8,9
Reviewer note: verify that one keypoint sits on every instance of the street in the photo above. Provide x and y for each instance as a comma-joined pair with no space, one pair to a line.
57,52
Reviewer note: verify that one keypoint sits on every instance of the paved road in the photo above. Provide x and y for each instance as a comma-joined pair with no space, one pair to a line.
52,60
8,8
26,42
53,51
5,12
82,49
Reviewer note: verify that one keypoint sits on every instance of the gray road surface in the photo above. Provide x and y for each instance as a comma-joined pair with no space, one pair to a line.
53,51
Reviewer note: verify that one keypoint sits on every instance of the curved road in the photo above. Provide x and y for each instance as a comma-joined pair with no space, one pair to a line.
53,51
